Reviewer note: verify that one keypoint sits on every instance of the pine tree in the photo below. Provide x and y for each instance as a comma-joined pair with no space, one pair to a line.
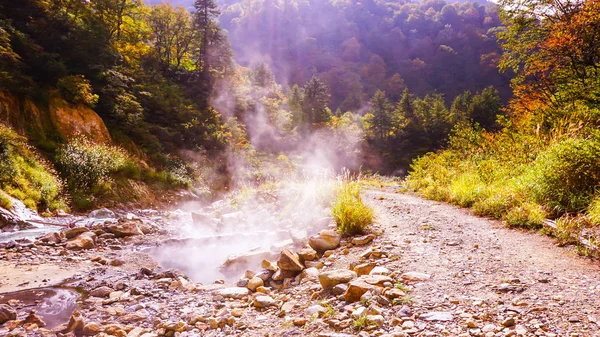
316,99
206,12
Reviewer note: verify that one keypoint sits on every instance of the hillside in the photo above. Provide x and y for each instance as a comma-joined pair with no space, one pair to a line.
259,168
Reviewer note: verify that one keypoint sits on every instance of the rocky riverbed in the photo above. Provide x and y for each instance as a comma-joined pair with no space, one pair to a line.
426,269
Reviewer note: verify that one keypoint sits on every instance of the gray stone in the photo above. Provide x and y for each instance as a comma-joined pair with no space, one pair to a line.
103,213
234,292
415,276
437,316
264,301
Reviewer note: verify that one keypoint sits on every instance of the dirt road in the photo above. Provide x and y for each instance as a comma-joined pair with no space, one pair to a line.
484,273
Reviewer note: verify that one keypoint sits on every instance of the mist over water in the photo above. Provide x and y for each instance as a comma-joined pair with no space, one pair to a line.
257,219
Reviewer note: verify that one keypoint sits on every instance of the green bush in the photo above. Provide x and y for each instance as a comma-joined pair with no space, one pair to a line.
24,176
5,201
565,175
88,166
593,212
77,89
351,215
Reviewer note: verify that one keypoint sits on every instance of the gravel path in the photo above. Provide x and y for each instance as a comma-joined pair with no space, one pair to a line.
484,273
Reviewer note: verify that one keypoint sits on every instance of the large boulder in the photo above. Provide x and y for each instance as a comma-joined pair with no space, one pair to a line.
330,279
124,228
52,237
7,313
327,239
289,263
75,232
86,240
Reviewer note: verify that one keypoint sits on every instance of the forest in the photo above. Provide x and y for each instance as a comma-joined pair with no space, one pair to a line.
322,168
510,95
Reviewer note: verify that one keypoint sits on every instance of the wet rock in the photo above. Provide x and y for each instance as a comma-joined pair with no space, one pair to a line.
234,293
32,318
415,276
11,222
330,279
101,292
75,232
103,213
124,228
437,316
263,301
289,263
91,329
307,254
7,313
76,324
326,240
53,237
363,240
254,283
86,240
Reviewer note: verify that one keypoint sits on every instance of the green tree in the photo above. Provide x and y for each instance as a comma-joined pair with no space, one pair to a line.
381,110
262,75
295,102
316,99
172,33
485,108
204,19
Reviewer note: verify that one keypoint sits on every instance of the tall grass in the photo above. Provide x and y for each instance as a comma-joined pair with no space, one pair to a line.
24,175
350,213
514,175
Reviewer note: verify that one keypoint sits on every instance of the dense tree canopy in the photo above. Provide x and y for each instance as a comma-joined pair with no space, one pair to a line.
359,47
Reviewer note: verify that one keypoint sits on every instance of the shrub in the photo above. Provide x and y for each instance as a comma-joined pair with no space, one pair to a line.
77,89
25,176
351,215
87,166
564,176
528,215
593,212
5,200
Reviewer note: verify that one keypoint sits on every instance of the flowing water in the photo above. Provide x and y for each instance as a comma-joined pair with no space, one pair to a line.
53,305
